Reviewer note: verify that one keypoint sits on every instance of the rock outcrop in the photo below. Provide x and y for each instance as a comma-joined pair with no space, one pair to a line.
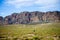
1,20
31,17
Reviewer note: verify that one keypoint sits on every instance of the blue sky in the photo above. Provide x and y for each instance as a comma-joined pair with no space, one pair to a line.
8,7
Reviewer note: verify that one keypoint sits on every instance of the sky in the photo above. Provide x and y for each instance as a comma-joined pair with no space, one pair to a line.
7,7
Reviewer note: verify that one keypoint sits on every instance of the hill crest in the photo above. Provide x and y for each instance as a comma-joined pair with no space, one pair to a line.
31,17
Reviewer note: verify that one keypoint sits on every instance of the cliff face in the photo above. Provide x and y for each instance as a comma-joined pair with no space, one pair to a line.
52,16
31,17
1,20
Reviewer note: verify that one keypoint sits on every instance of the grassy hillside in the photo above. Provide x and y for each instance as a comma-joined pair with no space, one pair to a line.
48,31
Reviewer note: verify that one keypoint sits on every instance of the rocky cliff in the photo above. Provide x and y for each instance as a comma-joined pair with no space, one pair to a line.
31,17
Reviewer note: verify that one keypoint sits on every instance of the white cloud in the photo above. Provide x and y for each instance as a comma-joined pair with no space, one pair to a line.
48,7
23,3
20,3
45,2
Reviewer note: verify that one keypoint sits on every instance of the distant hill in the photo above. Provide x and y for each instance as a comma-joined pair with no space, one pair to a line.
31,17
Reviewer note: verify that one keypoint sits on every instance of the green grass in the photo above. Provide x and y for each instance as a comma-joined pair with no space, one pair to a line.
47,31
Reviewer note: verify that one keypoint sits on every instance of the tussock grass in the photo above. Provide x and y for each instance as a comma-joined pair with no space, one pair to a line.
46,31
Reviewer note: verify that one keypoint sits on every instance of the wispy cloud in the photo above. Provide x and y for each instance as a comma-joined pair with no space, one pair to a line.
47,5
10,6
48,8
45,2
1,14
20,3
